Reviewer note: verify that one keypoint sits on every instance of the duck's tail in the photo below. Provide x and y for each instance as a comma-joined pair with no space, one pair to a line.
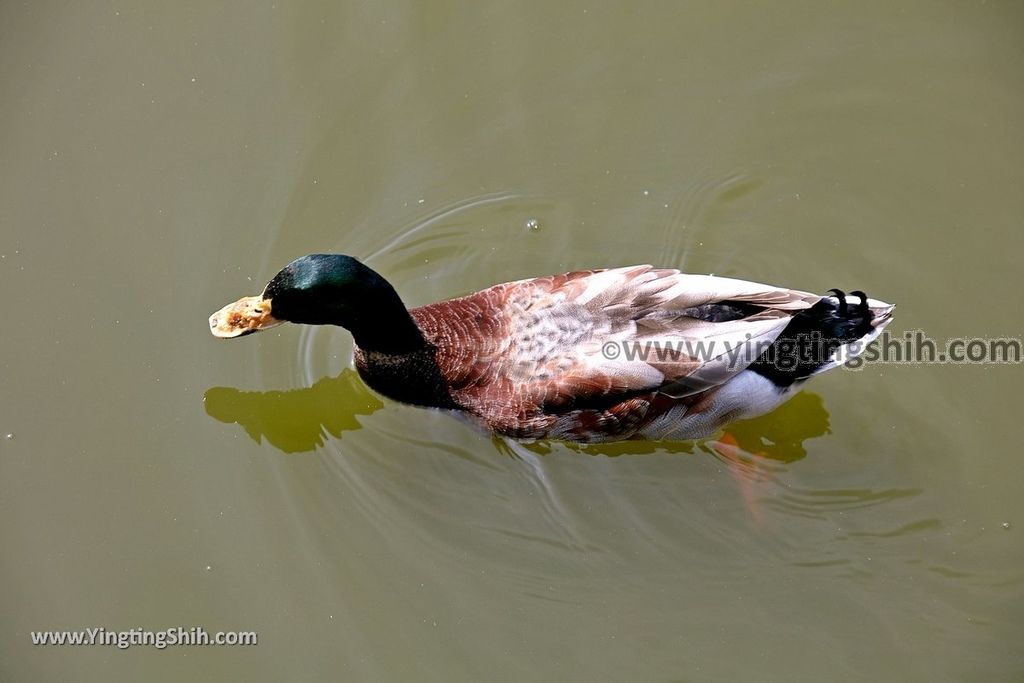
827,334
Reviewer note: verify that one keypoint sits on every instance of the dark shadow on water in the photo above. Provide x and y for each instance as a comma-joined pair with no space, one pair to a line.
297,421
780,435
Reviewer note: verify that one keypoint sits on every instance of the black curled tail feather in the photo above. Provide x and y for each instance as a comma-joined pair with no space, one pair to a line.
808,342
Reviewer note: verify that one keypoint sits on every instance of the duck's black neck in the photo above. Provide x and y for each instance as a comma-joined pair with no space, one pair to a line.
382,324
411,377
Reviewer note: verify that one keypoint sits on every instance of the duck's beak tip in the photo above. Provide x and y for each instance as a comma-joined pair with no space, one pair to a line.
247,315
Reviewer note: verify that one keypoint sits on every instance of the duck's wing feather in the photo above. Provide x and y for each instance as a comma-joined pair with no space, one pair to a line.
597,338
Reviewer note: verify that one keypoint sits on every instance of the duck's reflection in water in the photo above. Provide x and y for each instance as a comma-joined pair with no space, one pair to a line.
297,420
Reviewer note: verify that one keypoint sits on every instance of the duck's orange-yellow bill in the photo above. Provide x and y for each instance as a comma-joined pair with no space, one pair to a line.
245,316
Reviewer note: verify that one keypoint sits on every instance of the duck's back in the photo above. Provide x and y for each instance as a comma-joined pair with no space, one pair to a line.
563,356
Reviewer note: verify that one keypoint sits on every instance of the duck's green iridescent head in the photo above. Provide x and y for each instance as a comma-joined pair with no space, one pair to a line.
325,289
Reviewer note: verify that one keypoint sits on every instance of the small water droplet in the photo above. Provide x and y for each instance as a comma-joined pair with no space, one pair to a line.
9,436
209,568
533,225
1006,525
647,193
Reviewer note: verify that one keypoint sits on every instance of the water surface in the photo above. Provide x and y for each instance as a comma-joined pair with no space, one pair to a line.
159,161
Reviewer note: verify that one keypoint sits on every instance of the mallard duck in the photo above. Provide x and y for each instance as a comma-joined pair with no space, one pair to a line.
588,356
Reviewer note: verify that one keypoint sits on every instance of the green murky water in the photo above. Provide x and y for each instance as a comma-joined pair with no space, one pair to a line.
160,161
